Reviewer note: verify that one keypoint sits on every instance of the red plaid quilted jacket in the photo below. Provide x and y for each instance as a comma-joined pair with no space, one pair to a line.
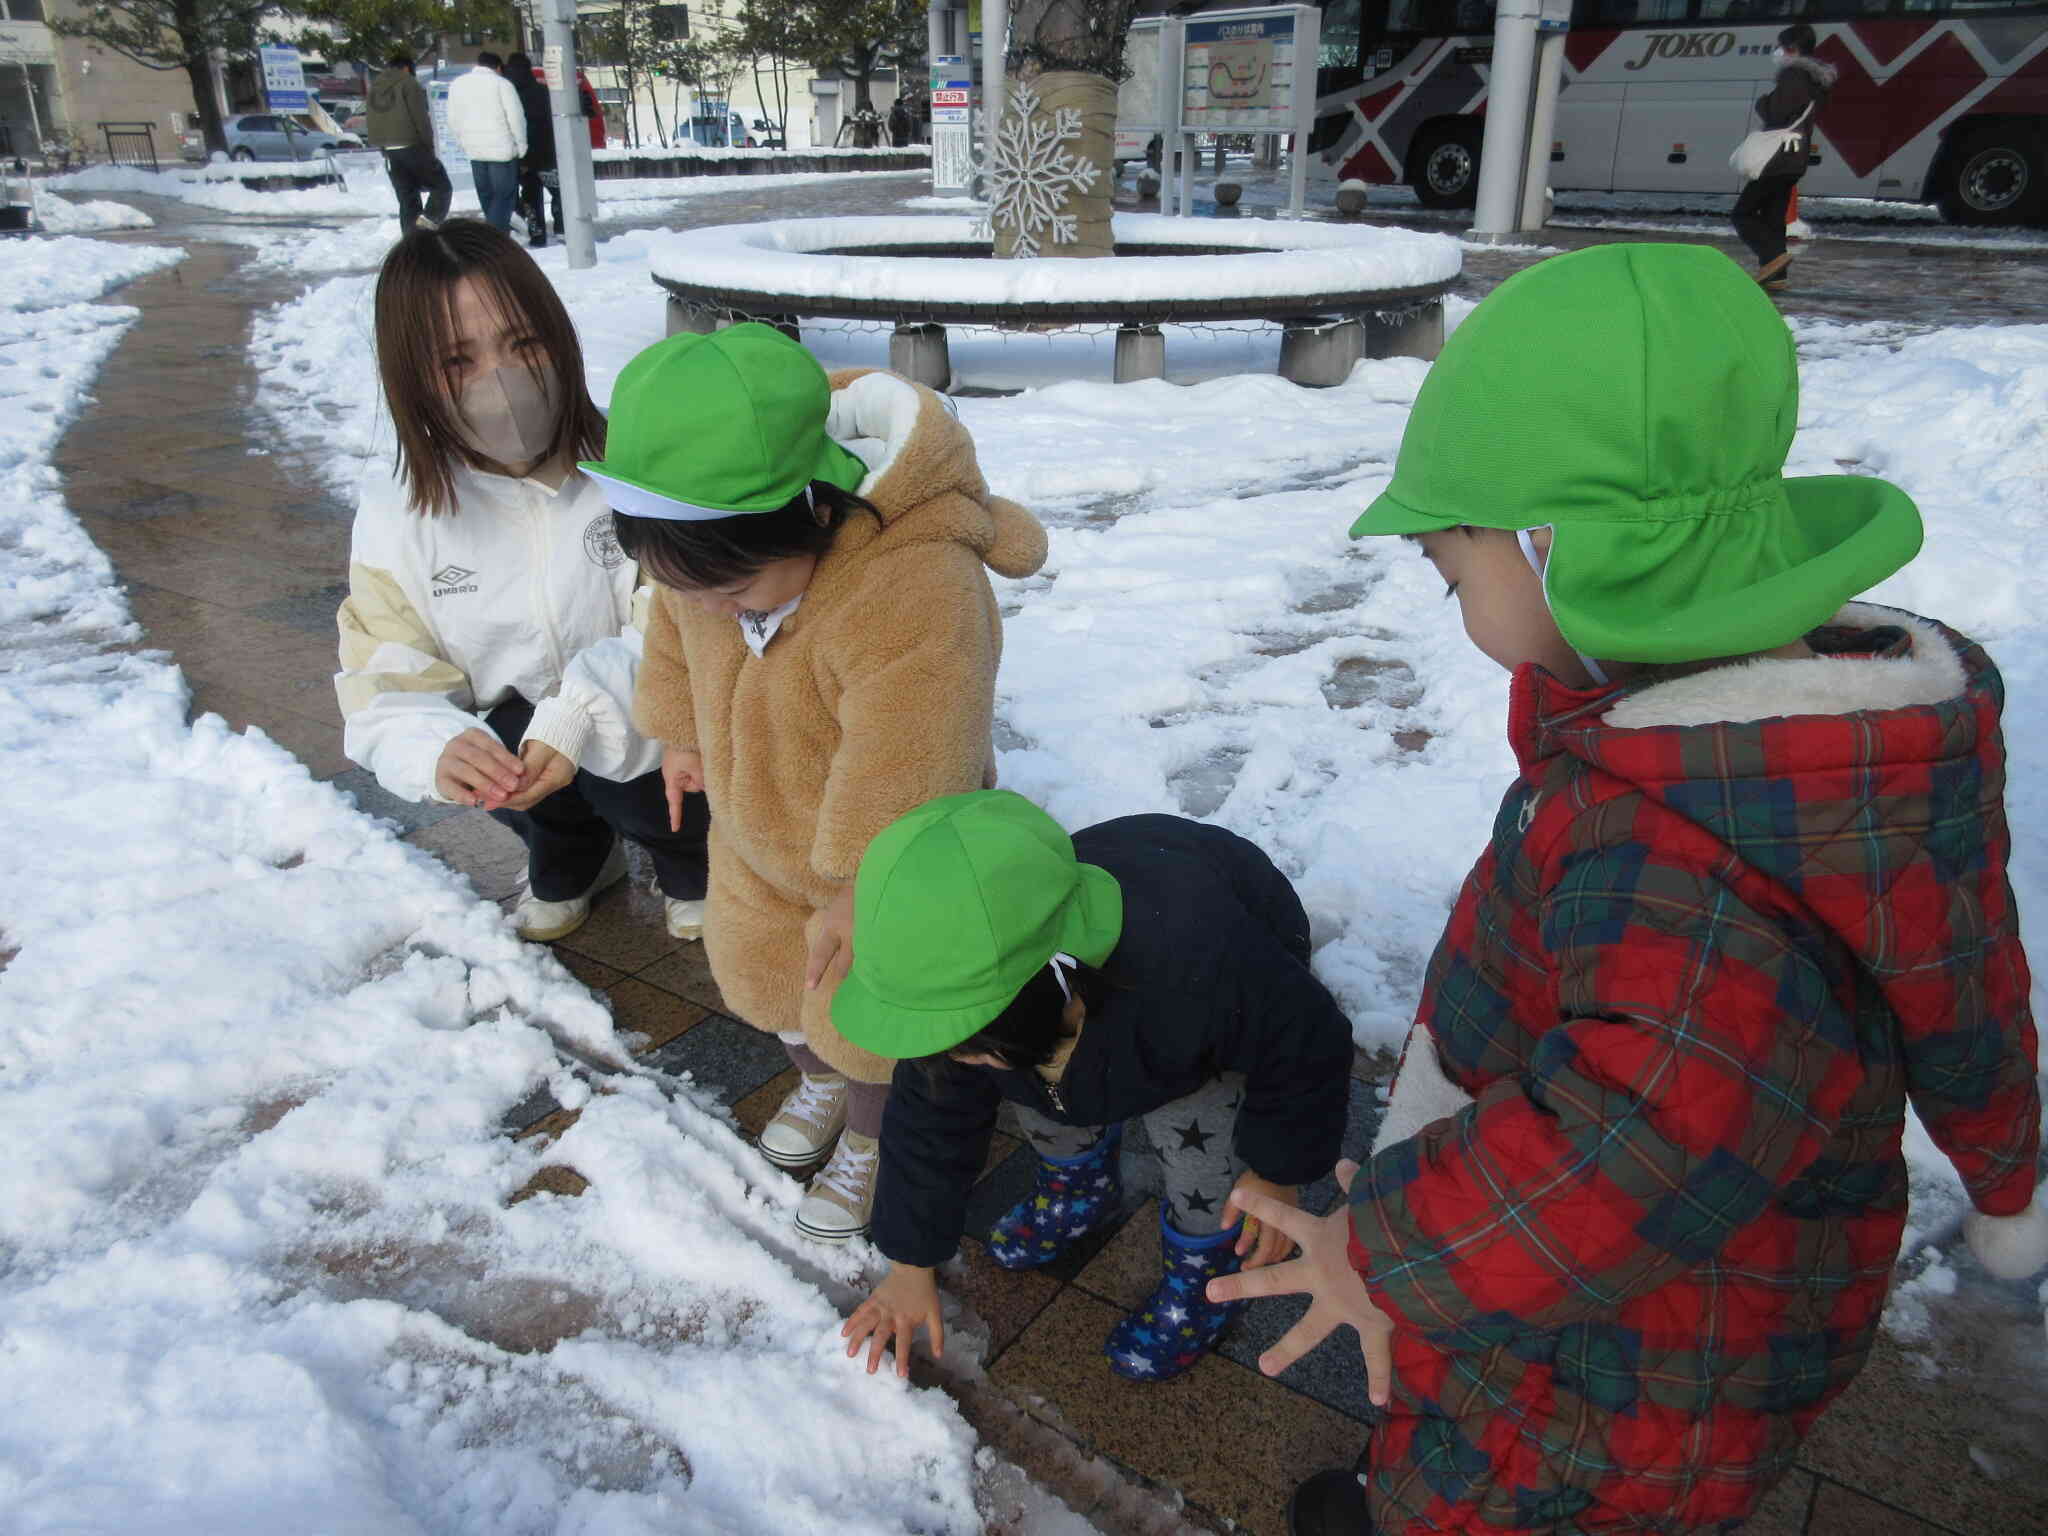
1692,985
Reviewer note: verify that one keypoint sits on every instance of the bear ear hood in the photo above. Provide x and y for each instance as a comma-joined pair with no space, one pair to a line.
922,474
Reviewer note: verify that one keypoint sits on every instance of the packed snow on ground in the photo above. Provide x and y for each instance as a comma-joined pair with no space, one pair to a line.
367,193
49,274
256,1256
64,216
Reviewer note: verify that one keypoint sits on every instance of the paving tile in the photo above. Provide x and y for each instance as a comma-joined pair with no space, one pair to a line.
657,1017
311,612
1784,1509
686,971
1839,1511
722,1055
626,931
1125,1270
755,1110
1971,1402
489,854
1232,1442
1006,1300
593,974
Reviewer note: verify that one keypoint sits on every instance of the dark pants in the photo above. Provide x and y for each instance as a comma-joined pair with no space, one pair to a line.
1760,215
530,190
412,170
497,187
569,834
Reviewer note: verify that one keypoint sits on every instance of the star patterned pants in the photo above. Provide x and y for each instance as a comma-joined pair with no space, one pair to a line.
1198,1161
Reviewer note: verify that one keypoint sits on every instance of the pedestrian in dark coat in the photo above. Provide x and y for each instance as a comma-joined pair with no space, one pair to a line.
899,123
1745,900
1795,100
538,170
1151,966
400,124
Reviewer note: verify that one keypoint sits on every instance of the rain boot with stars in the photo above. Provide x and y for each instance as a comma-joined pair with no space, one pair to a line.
1177,1324
1070,1198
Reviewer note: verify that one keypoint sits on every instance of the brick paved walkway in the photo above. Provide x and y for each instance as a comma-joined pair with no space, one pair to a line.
234,560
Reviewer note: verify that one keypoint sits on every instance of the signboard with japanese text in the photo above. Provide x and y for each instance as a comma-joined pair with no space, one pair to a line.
1238,73
284,79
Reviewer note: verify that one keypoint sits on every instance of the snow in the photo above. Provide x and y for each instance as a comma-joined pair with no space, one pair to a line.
61,216
49,274
258,1256
1280,261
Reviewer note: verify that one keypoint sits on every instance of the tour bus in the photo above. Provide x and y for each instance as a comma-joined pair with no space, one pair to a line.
1936,101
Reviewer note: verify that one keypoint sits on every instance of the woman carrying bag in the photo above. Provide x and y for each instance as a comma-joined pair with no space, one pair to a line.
1775,156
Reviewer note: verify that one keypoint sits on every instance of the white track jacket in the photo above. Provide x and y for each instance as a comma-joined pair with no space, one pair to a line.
520,590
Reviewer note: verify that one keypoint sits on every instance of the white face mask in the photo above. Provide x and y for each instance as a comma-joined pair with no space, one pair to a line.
1779,55
508,415
1536,563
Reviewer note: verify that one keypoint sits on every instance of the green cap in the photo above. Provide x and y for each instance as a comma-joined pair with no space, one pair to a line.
704,427
1640,400
956,905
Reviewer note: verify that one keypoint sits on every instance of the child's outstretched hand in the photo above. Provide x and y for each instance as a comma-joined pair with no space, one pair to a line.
907,1296
1260,1244
1324,1274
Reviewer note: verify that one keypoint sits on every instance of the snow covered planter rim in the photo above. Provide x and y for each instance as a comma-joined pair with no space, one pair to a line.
710,152
938,269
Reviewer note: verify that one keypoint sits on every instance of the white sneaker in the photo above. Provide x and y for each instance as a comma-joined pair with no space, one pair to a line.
842,1196
685,918
809,1121
543,922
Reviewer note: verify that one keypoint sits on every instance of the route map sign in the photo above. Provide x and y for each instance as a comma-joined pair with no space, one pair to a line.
284,79
1239,73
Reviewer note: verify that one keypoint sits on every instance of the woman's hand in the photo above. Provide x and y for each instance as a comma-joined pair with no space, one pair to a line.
475,769
829,935
1324,1274
909,1295
546,771
1265,1243
682,773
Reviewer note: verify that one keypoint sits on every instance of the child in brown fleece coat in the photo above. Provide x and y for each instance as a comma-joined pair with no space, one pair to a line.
821,658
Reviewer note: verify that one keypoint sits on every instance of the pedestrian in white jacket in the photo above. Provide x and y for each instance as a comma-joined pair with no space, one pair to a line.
491,639
486,118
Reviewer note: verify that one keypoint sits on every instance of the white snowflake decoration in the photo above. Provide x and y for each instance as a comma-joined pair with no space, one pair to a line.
1032,172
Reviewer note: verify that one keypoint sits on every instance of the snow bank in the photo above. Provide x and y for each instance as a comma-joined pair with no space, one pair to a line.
258,1257
1281,261
61,216
49,274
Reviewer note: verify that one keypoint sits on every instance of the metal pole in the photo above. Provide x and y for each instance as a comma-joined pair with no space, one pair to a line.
1308,36
995,37
1504,154
1542,130
572,137
35,118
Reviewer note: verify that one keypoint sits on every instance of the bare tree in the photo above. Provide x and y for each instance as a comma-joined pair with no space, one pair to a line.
175,34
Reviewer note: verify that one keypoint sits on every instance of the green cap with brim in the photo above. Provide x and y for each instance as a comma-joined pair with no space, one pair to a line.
1639,400
956,905
704,427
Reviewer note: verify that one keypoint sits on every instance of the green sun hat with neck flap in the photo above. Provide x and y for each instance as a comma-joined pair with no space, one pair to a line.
704,427
956,905
1639,400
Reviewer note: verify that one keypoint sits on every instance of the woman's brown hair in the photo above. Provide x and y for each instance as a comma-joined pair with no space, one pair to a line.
415,317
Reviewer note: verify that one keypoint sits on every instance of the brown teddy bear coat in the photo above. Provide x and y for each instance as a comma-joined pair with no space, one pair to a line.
876,695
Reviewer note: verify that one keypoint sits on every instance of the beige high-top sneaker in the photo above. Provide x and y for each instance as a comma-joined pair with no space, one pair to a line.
842,1197
809,1121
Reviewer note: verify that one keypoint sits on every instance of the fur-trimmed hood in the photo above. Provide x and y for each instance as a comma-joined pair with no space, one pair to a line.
922,474
1822,73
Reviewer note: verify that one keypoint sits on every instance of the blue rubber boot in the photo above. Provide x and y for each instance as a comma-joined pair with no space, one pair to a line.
1178,1323
1070,1198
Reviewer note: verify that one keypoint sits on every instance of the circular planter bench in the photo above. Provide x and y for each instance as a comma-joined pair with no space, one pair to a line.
1339,293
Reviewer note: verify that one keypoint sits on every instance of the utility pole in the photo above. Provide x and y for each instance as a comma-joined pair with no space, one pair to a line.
1522,86
995,37
572,136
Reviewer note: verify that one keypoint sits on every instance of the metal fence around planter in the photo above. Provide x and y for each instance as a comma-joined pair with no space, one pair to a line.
130,143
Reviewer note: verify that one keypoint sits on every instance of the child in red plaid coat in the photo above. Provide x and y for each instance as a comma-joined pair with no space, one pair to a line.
1746,900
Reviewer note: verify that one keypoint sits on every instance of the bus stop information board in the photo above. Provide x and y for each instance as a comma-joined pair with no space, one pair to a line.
284,80
1239,74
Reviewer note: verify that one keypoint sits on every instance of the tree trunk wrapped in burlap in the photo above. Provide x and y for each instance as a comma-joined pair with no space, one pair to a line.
1053,164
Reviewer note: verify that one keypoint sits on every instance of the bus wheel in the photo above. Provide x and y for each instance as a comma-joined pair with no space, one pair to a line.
1994,176
1443,165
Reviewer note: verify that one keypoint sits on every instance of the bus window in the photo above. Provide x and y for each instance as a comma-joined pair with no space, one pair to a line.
1438,17
1628,13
